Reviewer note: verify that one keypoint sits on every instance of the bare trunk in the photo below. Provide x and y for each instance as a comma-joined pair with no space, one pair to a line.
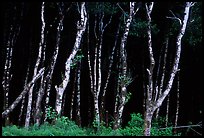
123,56
26,89
30,94
177,57
81,26
159,101
78,111
23,99
109,71
72,95
177,100
163,75
11,40
167,111
149,97
148,121
53,61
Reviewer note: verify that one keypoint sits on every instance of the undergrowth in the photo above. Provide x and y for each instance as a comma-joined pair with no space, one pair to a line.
62,126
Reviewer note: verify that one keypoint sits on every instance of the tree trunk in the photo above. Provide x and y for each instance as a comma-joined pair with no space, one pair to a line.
23,99
78,111
177,57
148,108
163,75
54,59
26,89
81,26
177,100
159,101
11,40
30,94
123,56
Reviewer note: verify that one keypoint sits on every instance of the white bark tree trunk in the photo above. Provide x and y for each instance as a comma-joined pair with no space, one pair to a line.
30,94
26,89
81,26
123,56
151,105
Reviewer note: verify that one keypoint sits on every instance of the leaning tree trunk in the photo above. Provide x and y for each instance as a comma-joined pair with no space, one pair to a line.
150,105
23,93
81,26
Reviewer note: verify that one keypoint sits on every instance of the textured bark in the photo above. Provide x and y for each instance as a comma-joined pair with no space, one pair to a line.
11,41
81,26
167,111
149,107
123,56
177,57
23,99
73,94
103,93
177,100
26,89
163,75
41,91
78,92
30,94
54,58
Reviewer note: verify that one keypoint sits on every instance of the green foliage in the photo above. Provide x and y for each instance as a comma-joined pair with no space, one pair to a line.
135,127
138,28
106,7
77,58
50,113
125,79
128,96
65,127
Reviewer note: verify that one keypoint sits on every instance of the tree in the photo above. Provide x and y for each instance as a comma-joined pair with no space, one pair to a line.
81,26
152,105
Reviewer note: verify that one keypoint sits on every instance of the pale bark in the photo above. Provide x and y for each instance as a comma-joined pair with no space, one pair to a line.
78,92
123,56
54,59
149,101
177,99
11,40
72,95
177,57
109,70
30,94
23,99
167,111
163,75
81,26
26,89
151,106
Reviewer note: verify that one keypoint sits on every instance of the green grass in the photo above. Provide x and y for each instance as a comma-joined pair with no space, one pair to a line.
65,127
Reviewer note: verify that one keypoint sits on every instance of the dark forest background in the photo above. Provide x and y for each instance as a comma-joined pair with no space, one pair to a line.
26,49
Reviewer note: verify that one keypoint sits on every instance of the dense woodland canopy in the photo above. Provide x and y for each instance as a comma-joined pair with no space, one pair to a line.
101,61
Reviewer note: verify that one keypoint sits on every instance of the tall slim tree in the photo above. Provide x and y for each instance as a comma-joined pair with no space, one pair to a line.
30,94
152,105
13,33
81,26
123,78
